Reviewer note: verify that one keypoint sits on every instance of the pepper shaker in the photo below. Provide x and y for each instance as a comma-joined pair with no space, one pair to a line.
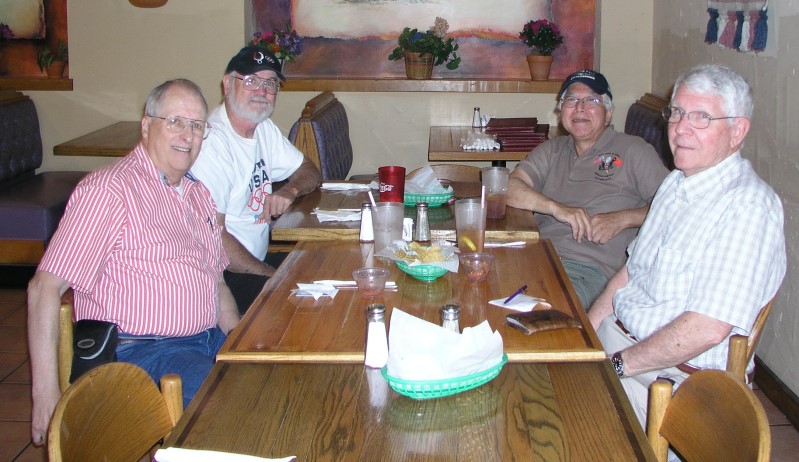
376,338
421,233
450,317
367,234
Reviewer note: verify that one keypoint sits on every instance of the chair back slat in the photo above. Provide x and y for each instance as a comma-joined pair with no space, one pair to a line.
113,413
712,416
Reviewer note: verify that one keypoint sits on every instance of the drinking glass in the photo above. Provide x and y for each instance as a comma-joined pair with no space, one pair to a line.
470,224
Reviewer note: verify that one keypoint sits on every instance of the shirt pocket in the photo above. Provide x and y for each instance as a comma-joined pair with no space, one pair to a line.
671,276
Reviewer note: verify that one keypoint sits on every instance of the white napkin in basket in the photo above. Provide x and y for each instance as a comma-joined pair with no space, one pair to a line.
420,350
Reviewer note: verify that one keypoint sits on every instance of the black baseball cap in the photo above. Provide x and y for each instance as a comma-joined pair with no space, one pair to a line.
592,79
254,58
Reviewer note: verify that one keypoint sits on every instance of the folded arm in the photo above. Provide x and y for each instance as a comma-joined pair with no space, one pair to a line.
522,195
685,337
304,180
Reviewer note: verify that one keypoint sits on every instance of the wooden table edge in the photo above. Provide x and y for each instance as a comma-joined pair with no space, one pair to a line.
354,358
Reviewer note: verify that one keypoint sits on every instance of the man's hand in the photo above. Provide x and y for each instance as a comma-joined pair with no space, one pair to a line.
605,226
277,203
575,217
43,406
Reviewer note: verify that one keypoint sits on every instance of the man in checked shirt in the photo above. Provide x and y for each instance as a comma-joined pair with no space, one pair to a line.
710,253
140,247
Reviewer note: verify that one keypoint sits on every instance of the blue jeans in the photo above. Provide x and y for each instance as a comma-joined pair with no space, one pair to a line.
190,357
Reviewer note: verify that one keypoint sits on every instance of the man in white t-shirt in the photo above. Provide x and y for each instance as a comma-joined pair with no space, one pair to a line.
243,156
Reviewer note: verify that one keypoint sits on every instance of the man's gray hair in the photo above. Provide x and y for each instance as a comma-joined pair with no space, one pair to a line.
153,105
715,80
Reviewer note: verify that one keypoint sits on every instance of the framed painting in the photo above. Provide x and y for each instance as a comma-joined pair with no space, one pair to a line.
351,39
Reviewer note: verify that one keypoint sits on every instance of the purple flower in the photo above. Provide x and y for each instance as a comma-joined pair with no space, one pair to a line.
5,32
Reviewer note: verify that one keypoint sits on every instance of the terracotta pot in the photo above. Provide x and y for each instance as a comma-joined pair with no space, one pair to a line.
418,66
56,69
539,66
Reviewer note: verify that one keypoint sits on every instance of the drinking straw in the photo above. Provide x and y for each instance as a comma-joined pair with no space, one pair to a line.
483,196
372,199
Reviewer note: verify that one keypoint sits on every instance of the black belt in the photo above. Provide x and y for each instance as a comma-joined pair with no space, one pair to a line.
684,367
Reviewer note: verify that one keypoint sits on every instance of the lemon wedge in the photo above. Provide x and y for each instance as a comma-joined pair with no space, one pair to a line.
469,243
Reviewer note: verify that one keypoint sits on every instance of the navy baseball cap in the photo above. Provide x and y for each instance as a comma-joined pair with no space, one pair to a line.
592,79
254,58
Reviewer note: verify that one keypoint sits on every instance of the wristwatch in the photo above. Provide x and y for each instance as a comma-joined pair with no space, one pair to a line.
618,363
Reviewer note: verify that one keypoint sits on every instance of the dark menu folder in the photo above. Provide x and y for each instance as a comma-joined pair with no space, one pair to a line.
511,124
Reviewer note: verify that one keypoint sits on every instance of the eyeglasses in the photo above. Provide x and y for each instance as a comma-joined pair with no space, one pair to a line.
253,83
176,124
696,119
589,102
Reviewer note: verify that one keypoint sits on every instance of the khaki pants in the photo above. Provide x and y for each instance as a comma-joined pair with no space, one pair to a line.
637,387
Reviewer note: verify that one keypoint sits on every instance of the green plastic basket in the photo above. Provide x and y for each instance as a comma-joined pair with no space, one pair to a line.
433,200
427,389
422,272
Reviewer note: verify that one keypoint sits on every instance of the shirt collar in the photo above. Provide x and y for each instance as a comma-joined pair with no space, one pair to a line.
140,152
698,185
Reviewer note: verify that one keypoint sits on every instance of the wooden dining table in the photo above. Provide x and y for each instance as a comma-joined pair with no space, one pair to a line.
299,223
445,146
548,412
281,326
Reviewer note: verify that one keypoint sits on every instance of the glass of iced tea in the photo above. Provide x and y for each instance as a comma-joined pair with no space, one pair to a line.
495,180
470,224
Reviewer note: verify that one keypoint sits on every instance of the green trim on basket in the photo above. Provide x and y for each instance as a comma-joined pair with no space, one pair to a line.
422,272
433,200
427,389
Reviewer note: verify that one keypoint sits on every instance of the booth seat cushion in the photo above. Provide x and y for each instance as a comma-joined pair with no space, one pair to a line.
31,209
644,119
331,130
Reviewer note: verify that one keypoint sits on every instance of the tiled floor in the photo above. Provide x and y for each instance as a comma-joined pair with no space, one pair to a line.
15,401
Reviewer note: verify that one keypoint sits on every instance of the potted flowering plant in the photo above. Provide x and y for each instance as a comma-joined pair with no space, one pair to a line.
5,32
542,37
423,50
53,62
284,44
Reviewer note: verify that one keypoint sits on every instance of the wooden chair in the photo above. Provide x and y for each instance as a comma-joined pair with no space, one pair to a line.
322,133
742,348
712,416
453,172
113,413
65,336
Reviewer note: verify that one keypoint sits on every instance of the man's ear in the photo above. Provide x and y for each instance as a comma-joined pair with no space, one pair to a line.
145,128
738,132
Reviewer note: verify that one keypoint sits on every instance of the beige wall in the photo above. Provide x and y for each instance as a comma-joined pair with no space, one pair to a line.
772,144
118,53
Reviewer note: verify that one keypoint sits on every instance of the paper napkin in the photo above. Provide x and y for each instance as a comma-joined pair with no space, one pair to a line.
333,186
316,291
424,182
337,215
420,350
196,455
521,302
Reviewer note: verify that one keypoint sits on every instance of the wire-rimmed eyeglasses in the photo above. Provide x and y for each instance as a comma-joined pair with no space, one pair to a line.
176,124
253,83
589,102
697,119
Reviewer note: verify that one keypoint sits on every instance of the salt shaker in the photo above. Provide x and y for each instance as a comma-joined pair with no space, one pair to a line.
367,232
450,317
376,338
421,233
477,121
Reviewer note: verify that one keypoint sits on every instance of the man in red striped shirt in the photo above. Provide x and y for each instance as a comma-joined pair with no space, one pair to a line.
140,246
